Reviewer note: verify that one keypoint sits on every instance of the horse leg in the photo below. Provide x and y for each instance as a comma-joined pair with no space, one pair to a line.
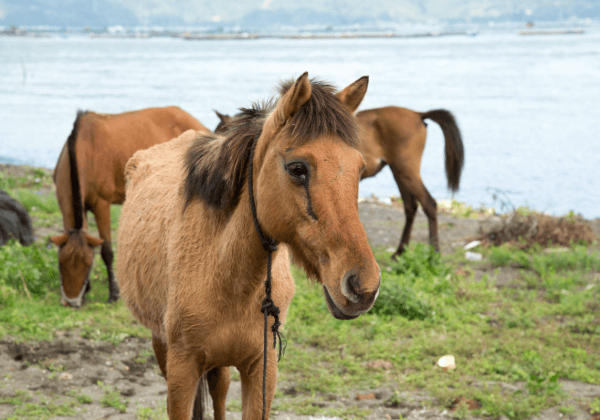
182,383
102,213
252,387
218,385
410,210
160,351
430,208
418,191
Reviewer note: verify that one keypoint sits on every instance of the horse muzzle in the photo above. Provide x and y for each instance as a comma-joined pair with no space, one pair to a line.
357,302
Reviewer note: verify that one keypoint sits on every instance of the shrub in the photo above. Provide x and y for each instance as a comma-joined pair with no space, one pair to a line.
413,282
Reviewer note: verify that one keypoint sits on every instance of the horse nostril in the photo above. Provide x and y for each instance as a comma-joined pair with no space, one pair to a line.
351,287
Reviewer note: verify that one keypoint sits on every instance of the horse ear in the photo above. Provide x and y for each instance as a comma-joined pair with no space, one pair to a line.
93,241
60,239
224,118
353,95
296,96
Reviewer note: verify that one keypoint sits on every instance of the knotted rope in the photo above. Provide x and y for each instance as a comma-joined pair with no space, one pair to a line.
268,307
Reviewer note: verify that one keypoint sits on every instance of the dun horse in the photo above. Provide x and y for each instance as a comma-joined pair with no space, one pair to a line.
396,136
89,175
191,265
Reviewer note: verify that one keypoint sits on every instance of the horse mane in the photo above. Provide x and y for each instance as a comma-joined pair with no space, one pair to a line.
75,187
323,114
216,166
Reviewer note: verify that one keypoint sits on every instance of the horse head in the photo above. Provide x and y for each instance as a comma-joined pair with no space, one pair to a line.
75,257
307,167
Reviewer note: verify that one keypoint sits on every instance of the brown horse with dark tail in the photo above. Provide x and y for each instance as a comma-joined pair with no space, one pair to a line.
190,263
396,136
89,175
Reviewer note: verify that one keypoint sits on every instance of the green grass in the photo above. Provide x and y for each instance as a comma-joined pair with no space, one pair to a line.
148,413
497,335
543,328
20,397
45,409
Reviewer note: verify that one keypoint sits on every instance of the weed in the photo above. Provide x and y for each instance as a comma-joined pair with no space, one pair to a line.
462,410
595,406
348,413
20,397
80,397
566,410
112,398
43,410
148,413
234,405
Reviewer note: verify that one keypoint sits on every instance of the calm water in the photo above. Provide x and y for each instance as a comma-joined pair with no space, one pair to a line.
528,107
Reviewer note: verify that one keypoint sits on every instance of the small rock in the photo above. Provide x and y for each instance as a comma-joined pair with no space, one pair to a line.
65,376
369,396
129,392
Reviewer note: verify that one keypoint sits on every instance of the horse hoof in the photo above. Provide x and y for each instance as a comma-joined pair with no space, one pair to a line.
112,299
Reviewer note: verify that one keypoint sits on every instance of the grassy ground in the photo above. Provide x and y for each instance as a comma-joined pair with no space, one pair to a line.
512,342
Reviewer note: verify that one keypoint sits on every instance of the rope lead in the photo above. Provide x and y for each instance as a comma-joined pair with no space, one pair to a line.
268,307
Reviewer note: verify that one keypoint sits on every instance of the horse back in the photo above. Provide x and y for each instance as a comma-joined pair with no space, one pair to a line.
114,138
394,134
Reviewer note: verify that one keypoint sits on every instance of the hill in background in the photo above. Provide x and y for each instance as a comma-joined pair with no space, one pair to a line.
264,14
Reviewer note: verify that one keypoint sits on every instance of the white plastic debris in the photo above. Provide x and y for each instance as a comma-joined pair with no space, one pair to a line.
447,362
471,245
473,256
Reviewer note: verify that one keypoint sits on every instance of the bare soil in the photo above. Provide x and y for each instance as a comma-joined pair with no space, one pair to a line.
70,362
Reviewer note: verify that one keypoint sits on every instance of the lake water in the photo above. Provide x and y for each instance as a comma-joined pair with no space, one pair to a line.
528,106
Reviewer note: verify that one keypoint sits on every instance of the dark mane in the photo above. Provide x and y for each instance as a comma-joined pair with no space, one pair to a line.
216,166
75,187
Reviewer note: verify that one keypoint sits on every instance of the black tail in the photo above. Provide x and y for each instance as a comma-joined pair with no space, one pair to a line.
201,400
75,187
455,153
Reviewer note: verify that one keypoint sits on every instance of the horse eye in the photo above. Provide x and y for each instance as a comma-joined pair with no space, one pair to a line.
298,171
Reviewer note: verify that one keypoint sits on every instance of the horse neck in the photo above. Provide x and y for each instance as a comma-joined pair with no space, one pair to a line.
65,197
241,257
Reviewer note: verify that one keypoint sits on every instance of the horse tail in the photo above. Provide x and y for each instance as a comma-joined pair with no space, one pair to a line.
75,186
201,401
455,153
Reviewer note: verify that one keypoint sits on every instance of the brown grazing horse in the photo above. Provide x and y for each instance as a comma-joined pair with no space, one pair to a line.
396,136
190,263
89,175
